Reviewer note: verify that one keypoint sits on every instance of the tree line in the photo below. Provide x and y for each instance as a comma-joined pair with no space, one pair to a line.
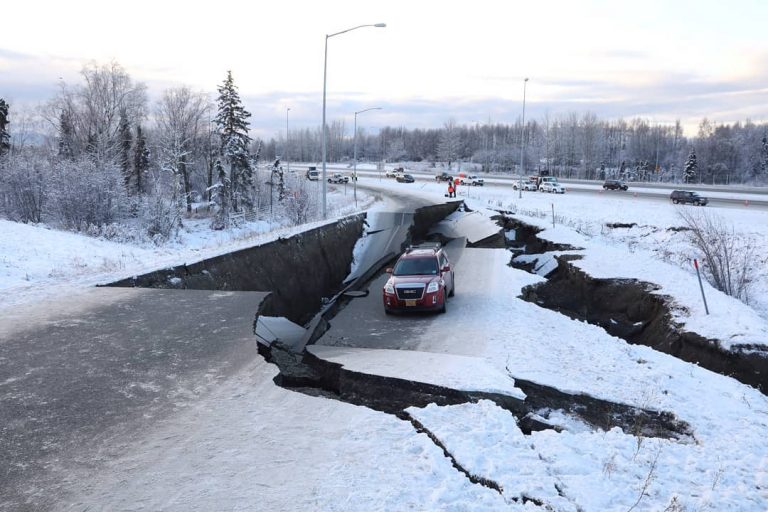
109,163
573,146
98,156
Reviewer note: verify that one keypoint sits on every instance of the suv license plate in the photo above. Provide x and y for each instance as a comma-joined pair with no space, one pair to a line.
410,303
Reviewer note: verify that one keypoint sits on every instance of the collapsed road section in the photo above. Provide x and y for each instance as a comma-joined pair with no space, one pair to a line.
626,308
321,369
317,353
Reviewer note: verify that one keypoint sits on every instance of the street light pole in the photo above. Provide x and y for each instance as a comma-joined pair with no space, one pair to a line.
354,172
522,141
287,161
325,128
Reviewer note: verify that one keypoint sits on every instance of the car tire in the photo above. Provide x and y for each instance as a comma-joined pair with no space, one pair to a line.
442,309
453,290
675,201
387,312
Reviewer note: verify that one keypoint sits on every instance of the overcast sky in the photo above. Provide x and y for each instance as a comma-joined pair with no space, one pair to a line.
435,60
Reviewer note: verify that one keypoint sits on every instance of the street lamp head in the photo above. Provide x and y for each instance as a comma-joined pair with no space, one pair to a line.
380,25
526,79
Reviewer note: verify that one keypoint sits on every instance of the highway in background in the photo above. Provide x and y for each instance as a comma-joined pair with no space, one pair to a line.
718,195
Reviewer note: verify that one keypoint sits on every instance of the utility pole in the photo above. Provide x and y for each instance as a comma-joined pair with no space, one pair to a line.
287,160
522,140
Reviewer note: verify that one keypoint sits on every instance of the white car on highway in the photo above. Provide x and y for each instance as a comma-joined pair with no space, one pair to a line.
552,187
527,185
473,180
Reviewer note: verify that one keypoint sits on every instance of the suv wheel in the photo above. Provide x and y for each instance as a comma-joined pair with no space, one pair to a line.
675,201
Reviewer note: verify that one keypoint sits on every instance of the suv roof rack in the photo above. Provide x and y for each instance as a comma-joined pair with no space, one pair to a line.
431,246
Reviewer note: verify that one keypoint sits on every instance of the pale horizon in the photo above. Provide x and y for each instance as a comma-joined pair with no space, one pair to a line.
433,62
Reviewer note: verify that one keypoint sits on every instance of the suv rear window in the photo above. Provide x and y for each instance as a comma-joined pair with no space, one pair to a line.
416,267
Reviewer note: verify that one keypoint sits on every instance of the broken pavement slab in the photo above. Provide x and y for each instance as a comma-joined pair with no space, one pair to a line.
462,373
475,226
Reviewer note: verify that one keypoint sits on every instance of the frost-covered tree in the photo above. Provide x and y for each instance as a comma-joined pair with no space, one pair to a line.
689,170
66,135
96,108
221,195
763,167
450,142
181,116
232,126
396,150
5,137
140,162
125,140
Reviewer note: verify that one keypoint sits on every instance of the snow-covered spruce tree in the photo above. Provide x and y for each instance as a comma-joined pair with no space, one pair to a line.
5,137
66,135
690,168
125,140
221,194
232,127
763,166
140,161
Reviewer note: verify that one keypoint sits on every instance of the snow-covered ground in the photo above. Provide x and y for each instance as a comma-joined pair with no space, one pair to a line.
38,262
250,445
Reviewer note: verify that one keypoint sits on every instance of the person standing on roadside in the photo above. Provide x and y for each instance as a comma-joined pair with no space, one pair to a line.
451,189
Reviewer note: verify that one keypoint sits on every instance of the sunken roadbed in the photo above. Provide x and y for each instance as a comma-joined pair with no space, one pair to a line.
298,271
628,309
358,327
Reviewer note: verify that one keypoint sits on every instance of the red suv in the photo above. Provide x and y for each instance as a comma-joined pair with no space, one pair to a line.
421,280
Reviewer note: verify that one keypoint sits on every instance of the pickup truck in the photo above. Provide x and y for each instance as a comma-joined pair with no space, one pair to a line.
338,178
473,180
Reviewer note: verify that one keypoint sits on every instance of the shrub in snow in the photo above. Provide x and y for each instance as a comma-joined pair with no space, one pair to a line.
727,257
23,188
161,220
298,204
84,192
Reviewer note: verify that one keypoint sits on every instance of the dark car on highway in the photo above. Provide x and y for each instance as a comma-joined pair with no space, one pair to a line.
443,176
614,185
405,178
421,280
687,197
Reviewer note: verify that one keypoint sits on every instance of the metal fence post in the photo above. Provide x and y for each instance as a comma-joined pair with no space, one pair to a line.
701,286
